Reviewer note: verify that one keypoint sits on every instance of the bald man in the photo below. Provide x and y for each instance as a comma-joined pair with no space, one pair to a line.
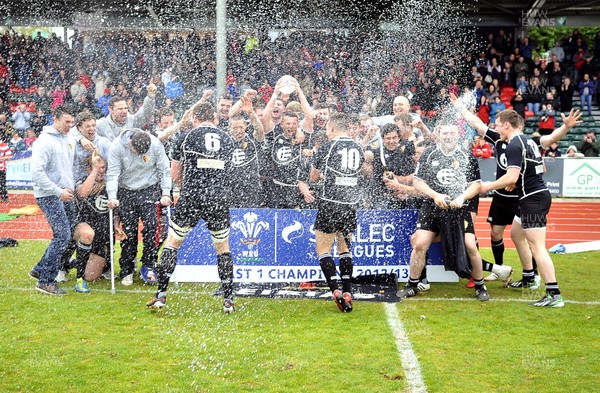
400,105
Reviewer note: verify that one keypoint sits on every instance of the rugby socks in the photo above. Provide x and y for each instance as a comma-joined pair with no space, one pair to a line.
424,271
498,251
528,275
65,262
165,267
487,266
225,267
478,283
423,274
413,282
552,288
83,255
346,266
535,269
328,267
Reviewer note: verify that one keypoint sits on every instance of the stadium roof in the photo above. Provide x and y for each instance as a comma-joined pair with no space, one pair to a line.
90,14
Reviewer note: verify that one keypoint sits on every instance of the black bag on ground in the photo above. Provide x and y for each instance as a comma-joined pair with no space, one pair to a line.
453,243
8,242
378,279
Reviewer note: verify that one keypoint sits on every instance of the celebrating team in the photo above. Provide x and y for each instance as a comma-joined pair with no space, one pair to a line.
286,159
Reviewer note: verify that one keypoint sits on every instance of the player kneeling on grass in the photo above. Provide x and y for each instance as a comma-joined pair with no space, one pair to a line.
92,232
447,176
339,162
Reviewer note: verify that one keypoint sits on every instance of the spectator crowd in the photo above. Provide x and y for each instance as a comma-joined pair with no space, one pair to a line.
353,72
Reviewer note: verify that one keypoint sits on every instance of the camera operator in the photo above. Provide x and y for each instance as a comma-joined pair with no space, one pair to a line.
590,146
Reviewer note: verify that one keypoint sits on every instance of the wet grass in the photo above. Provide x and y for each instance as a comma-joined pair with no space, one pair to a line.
111,343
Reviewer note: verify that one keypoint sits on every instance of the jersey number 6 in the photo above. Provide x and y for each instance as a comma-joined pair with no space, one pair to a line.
212,142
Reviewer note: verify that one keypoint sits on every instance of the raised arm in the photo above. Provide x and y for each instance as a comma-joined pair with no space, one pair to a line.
307,123
242,102
568,122
84,189
142,116
469,116
267,119
259,129
185,121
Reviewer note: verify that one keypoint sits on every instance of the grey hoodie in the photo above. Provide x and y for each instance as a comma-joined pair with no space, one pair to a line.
133,171
52,163
107,128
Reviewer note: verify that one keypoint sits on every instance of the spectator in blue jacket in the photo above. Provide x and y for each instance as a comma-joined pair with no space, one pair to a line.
21,119
587,89
17,144
103,102
496,107
174,89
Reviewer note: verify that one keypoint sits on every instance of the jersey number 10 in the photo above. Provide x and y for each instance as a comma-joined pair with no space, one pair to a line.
350,159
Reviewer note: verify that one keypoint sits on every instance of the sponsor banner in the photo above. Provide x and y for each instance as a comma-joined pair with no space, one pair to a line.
581,177
257,274
271,245
18,171
553,177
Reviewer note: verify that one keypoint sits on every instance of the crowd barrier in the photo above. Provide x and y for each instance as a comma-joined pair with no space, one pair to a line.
565,177
18,171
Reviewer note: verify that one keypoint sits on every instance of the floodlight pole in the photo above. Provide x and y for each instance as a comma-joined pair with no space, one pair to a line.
221,32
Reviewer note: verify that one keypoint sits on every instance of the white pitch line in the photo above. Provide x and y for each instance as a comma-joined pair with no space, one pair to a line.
409,360
180,291
468,299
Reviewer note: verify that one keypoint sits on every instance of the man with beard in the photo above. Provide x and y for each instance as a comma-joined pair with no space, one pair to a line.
120,119
322,113
223,106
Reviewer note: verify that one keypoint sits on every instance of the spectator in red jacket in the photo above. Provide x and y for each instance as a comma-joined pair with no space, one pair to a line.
481,149
483,111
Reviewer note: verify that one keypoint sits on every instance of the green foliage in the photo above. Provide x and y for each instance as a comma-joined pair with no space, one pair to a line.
544,37
111,343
